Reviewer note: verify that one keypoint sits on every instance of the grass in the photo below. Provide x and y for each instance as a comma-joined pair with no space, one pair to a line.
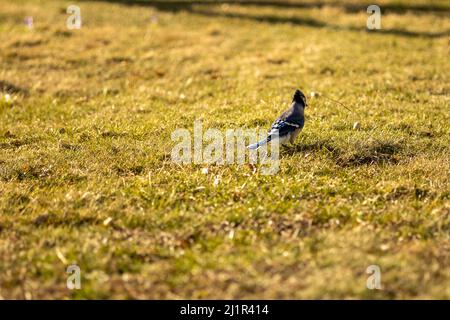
86,174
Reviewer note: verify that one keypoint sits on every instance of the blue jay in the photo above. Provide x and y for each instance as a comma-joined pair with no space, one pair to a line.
287,127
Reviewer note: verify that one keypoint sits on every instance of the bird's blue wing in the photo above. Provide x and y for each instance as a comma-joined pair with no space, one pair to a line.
283,127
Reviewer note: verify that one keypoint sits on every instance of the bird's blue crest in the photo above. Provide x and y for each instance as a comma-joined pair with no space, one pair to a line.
299,97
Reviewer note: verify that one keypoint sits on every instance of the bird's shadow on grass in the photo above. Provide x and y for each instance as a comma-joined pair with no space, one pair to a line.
194,8
372,153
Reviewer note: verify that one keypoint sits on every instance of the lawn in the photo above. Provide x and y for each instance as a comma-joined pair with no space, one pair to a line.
86,174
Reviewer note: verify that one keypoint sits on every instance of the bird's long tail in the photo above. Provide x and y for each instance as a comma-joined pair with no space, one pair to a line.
258,144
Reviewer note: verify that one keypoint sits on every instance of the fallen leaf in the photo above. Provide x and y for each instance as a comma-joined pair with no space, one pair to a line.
61,256
107,221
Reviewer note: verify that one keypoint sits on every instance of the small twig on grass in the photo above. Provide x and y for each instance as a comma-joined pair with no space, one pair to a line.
340,104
